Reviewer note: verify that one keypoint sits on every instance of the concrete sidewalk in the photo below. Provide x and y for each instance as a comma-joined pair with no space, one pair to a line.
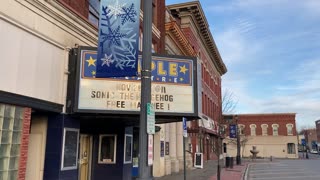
209,172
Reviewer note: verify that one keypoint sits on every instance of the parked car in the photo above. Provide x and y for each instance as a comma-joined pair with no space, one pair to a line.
314,151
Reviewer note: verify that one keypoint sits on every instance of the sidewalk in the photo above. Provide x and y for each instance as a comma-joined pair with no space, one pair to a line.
209,172
236,173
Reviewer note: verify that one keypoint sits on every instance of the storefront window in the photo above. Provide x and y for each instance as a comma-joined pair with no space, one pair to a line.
107,149
70,149
11,118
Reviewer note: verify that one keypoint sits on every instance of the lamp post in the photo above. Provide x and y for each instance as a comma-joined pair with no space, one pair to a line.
238,158
145,170
220,133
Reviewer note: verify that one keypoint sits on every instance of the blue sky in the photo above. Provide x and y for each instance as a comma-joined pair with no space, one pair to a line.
272,51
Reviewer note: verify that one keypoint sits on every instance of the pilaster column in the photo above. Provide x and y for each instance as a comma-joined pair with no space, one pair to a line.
179,144
167,159
173,149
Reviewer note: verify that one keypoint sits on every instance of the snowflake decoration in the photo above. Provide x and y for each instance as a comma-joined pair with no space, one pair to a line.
105,13
128,14
116,9
114,36
107,60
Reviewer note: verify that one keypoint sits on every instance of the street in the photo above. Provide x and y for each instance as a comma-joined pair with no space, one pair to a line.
286,169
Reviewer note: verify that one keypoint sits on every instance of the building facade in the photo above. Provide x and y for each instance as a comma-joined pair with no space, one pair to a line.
192,22
272,134
38,37
37,112
311,138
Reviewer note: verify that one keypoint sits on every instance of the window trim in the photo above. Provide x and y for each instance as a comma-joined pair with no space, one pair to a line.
275,126
241,129
293,148
125,147
253,127
262,127
291,125
63,148
115,149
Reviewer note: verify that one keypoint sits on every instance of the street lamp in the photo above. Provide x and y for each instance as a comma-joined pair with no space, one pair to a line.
220,133
238,158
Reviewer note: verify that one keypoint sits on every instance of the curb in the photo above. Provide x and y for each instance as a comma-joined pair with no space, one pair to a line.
245,174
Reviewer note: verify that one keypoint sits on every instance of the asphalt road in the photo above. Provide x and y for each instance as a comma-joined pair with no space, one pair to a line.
299,169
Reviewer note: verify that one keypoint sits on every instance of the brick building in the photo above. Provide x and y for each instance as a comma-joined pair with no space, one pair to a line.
49,139
193,23
272,134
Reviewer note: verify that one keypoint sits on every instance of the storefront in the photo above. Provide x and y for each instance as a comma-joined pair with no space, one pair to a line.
98,136
23,123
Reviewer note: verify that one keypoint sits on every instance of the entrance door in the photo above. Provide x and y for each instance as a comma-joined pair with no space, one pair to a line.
85,157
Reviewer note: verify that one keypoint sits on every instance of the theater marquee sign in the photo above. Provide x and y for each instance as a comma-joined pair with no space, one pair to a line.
174,87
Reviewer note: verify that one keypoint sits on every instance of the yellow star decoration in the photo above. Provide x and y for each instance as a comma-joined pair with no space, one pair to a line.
91,61
183,69
181,79
93,73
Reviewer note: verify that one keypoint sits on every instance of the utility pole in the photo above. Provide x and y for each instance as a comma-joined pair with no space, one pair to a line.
219,152
145,170
238,142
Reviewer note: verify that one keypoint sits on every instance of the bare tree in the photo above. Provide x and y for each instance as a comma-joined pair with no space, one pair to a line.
229,102
243,142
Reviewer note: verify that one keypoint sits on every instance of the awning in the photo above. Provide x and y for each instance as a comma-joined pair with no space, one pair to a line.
208,124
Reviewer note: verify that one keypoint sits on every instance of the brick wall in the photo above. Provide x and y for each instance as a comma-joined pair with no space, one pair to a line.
211,81
24,144
79,6
161,11
258,119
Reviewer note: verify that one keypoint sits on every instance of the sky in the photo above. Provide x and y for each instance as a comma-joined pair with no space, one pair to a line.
272,52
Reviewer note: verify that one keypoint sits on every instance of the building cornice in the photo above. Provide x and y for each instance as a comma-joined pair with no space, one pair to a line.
195,10
174,29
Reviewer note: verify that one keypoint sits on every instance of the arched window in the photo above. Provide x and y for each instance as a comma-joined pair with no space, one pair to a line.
253,129
241,129
264,128
289,129
275,128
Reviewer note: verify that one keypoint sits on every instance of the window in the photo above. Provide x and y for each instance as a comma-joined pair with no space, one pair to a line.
264,129
107,149
275,128
127,149
70,149
253,129
94,8
289,129
224,148
291,148
241,129
11,120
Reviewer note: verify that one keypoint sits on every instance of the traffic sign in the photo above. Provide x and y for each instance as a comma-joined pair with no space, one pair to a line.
184,126
303,142
150,119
